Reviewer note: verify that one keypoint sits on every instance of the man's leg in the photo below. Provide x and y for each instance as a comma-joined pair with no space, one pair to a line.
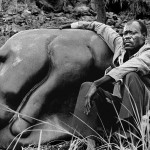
135,97
132,104
108,106
102,114
85,124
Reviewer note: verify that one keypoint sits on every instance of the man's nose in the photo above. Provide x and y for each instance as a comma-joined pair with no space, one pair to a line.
128,36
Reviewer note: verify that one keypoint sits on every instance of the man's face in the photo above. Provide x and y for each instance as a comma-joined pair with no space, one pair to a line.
132,37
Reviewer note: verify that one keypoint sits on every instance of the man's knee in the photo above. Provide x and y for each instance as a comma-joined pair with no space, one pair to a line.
86,84
131,76
133,81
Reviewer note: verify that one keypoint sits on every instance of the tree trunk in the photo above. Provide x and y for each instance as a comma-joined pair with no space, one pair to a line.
0,5
100,9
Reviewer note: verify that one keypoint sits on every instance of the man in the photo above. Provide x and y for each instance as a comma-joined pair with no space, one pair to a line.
129,73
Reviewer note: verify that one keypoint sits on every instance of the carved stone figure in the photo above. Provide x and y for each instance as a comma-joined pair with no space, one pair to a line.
41,73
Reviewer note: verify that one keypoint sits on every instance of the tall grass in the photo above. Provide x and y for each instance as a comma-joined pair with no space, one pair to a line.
118,140
105,141
127,139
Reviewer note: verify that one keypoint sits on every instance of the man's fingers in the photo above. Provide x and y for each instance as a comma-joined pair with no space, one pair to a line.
89,97
86,111
87,105
66,26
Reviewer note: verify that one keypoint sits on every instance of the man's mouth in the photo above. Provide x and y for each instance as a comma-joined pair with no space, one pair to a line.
128,43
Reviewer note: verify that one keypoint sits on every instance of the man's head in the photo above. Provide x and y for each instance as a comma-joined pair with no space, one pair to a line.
134,35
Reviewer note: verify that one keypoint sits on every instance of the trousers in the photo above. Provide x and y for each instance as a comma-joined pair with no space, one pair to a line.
128,101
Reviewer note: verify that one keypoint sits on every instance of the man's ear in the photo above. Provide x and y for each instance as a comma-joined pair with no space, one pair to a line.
144,36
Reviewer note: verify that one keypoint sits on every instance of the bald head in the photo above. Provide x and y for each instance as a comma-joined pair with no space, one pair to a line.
134,35
142,26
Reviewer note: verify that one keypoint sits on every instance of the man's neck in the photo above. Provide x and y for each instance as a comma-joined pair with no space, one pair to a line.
130,53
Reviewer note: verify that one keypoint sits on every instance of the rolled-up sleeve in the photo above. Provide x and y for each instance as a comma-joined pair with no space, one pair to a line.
139,64
110,36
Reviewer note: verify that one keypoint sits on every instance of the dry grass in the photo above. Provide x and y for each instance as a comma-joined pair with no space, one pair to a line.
104,141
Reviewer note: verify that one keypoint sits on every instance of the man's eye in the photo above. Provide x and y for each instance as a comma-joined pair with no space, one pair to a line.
125,33
133,33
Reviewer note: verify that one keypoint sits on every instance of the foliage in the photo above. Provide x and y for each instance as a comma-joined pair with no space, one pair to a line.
139,7
136,7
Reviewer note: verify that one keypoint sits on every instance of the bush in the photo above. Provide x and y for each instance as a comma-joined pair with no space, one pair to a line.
138,8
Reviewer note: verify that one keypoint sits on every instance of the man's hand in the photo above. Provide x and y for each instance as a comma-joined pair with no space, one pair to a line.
76,25
88,98
90,95
66,26
80,25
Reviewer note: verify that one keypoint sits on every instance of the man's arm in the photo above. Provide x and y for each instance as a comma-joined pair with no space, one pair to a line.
100,82
110,36
104,80
140,64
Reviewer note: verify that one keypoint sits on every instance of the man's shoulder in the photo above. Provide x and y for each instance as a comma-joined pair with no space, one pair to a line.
147,45
144,47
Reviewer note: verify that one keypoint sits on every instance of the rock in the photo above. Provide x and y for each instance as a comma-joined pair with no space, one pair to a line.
109,15
118,23
18,19
50,5
34,10
26,13
68,9
88,18
110,22
115,17
81,9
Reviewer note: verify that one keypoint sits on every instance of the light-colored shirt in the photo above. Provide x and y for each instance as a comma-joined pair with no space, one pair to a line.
139,63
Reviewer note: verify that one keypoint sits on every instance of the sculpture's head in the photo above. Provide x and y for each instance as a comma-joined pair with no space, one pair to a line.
41,69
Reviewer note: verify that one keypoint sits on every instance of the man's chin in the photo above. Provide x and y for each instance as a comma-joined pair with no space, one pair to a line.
128,48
